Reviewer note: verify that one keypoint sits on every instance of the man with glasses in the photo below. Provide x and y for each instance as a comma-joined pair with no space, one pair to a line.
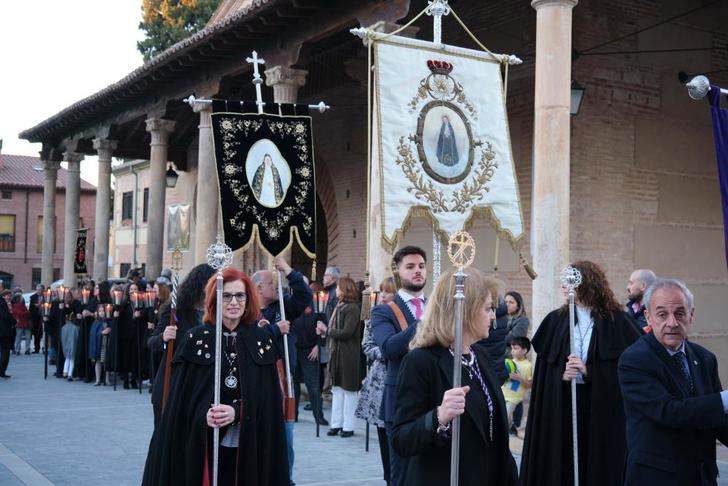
295,302
674,404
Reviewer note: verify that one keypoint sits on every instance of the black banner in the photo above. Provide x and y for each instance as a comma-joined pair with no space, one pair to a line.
265,167
79,260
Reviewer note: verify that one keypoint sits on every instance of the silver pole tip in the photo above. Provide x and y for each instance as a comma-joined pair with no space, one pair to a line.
698,87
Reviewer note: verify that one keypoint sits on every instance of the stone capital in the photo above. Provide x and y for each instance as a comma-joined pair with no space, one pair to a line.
105,148
537,4
74,160
201,106
160,129
285,75
51,166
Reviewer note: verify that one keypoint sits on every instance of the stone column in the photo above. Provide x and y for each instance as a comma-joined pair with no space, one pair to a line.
208,193
73,201
160,129
50,169
105,148
551,152
286,82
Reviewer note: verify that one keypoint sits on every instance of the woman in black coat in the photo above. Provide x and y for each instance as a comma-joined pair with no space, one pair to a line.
427,403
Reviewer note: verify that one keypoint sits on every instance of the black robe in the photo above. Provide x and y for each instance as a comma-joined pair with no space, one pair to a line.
181,444
547,449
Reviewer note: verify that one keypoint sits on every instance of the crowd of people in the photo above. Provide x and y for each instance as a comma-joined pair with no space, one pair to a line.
647,398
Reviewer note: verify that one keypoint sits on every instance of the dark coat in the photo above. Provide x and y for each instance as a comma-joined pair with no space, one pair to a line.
671,434
7,326
182,442
345,343
547,445
495,343
394,344
638,316
425,375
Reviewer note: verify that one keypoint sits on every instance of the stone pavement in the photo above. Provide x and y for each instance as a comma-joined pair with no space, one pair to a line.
62,433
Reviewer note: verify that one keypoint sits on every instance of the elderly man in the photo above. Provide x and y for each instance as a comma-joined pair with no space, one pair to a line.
294,305
639,280
673,400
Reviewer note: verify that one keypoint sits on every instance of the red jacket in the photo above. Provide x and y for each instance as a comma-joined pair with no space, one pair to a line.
22,315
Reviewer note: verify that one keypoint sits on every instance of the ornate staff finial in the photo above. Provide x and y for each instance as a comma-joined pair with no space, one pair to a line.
570,278
461,249
219,255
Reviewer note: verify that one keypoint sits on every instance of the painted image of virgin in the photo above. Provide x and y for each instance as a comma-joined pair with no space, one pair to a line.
267,186
447,149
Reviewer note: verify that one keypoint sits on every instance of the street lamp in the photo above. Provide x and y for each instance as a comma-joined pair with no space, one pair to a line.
172,177
577,95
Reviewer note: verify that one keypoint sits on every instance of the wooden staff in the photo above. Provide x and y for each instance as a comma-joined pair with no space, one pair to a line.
169,354
289,400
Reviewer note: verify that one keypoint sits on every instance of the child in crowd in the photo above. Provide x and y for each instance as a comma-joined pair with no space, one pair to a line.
97,343
520,375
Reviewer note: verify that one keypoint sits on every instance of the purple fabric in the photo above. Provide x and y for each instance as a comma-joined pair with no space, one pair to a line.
720,136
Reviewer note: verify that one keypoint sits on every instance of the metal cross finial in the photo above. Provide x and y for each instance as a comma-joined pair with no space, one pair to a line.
257,80
219,255
570,278
461,249
437,8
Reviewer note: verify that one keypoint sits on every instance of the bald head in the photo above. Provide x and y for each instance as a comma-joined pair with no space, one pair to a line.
639,281
265,284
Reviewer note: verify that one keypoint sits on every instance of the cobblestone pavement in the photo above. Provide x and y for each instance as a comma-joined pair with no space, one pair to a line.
56,432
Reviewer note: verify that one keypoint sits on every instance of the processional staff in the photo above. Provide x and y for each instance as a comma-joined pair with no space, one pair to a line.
461,251
177,267
219,257
570,280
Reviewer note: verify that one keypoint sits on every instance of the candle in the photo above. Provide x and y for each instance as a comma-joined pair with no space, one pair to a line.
151,297
62,293
374,298
117,295
46,309
134,297
47,295
84,295
109,309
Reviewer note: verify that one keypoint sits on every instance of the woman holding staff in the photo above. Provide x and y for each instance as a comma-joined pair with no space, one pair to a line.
250,415
602,332
427,403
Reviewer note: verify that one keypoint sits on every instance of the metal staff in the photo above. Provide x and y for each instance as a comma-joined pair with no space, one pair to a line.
461,250
137,299
177,266
46,309
290,401
570,280
116,296
219,257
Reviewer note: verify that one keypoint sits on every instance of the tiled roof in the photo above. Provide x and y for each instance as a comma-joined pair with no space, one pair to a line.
18,171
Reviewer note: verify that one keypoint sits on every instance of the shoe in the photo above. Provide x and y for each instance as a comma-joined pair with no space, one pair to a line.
27,351
133,383
126,384
98,383
4,376
36,352
347,433
307,407
70,378
322,421
52,362
333,432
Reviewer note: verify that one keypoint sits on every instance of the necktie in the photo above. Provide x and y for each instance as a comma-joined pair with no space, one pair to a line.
682,363
417,302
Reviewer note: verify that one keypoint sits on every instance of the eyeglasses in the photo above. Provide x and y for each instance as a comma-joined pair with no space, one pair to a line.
239,297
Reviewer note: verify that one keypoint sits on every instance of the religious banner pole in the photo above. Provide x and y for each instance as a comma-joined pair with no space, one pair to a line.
290,400
176,266
570,280
461,251
219,257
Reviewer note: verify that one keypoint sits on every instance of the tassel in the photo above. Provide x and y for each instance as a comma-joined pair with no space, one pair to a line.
366,295
313,270
527,267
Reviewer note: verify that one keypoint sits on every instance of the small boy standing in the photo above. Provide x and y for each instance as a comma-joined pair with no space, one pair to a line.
520,375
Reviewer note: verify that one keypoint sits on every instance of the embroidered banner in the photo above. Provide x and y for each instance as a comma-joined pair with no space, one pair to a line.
79,260
265,167
720,136
441,134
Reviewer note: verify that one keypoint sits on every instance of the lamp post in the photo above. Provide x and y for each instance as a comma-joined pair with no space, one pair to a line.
577,96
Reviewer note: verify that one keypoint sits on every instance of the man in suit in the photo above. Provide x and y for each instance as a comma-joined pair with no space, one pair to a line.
393,337
673,400
36,316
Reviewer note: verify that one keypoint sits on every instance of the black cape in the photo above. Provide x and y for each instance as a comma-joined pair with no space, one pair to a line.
547,448
181,444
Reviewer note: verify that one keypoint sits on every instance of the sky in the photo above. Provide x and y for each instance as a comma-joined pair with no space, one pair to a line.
54,53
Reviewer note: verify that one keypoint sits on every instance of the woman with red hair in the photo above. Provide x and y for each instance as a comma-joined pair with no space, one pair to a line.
250,415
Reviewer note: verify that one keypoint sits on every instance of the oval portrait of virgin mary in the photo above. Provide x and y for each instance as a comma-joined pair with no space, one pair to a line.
444,142
268,173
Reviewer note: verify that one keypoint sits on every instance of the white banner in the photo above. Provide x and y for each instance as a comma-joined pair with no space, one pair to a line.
441,140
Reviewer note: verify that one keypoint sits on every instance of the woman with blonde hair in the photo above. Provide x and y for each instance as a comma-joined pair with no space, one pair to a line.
427,403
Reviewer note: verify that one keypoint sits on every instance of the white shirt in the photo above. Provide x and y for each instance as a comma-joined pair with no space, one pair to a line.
407,298
582,335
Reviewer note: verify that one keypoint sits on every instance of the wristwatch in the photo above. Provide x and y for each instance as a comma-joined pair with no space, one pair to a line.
440,429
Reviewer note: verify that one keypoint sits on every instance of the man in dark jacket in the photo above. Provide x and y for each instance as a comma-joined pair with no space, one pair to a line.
495,343
7,329
639,280
674,403
36,316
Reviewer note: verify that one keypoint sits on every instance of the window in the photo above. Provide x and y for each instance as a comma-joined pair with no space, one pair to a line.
39,230
7,194
124,269
35,278
56,274
146,204
6,279
7,232
127,209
